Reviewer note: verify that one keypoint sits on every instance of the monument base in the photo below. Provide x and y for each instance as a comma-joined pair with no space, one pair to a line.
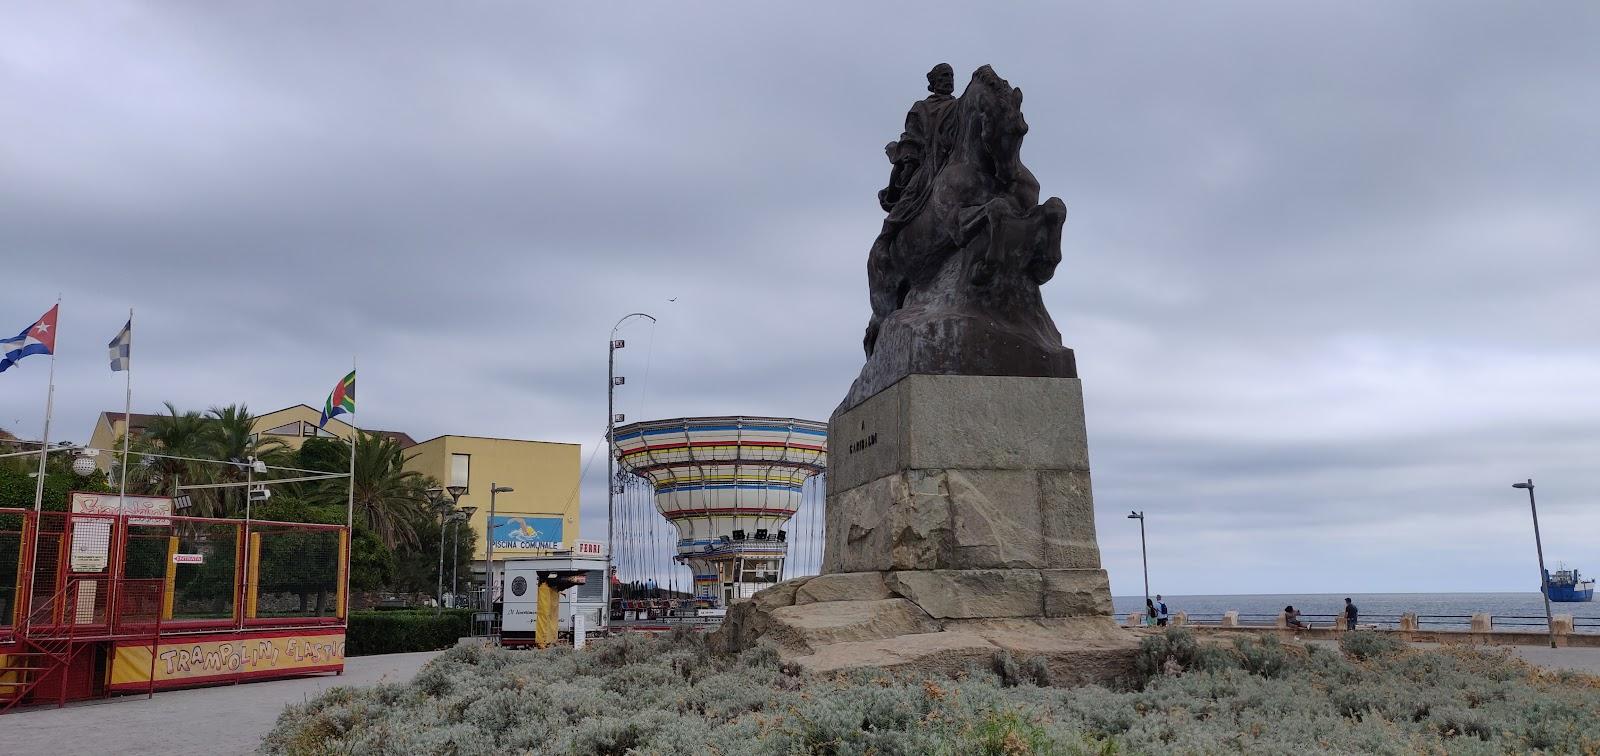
841,621
960,523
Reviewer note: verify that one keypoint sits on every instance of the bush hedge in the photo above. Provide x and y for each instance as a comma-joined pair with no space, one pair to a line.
404,631
635,695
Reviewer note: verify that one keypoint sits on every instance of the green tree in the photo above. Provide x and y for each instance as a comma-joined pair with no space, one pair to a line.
417,568
175,434
389,499
229,434
18,484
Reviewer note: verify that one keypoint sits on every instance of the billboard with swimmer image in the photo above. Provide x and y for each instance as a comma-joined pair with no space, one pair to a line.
526,532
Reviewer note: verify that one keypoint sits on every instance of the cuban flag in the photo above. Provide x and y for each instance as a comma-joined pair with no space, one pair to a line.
39,338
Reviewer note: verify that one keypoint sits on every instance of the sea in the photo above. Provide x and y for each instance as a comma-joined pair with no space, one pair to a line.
1436,611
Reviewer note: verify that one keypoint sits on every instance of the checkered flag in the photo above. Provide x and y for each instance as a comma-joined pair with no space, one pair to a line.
122,348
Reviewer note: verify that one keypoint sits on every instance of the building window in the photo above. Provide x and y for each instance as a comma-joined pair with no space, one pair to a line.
460,470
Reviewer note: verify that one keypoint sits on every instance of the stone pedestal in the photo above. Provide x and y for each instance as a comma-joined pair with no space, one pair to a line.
960,523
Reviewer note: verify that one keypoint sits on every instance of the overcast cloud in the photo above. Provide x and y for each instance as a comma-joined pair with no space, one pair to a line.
1331,274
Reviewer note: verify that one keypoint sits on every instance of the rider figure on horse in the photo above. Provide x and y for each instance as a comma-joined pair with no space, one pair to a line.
923,144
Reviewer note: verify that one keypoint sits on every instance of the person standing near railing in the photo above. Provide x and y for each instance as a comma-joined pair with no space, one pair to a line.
1349,614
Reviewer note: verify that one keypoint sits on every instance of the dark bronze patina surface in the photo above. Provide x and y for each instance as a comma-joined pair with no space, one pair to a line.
954,275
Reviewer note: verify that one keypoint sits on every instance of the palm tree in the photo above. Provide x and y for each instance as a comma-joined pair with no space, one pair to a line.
174,434
230,435
389,499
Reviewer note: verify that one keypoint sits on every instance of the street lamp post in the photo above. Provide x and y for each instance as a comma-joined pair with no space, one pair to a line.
1144,555
445,509
462,516
1544,577
612,381
488,549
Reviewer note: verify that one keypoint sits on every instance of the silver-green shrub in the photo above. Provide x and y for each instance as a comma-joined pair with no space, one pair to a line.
640,695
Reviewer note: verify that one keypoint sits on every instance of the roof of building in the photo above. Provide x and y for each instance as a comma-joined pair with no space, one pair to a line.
141,421
497,438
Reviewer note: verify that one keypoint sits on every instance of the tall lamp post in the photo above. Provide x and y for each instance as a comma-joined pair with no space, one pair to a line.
461,517
488,549
612,418
1544,577
1144,555
444,508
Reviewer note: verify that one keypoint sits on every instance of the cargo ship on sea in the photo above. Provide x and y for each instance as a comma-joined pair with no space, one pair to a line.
1567,586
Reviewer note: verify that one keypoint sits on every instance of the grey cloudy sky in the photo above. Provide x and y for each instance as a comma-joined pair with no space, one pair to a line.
1331,273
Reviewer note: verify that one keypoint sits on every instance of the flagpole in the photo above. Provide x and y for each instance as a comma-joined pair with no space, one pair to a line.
127,423
38,491
350,507
44,445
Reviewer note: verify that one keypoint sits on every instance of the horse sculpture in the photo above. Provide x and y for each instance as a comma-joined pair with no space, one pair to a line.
954,276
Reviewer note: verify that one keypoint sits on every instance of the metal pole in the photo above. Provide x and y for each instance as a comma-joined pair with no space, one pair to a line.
44,444
455,560
1544,577
488,552
611,425
1144,556
350,510
38,494
249,482
127,419
439,595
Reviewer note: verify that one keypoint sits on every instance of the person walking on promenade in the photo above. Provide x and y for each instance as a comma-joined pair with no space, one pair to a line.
1161,611
1349,615
1149,612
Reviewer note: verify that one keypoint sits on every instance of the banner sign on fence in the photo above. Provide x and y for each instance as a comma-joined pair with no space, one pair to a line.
141,510
217,658
188,558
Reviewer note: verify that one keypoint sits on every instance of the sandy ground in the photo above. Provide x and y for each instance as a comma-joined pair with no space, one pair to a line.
224,720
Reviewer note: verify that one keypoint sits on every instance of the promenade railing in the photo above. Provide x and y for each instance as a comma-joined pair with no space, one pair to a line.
1515,623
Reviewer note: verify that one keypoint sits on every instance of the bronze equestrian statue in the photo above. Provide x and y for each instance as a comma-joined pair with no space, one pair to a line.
954,275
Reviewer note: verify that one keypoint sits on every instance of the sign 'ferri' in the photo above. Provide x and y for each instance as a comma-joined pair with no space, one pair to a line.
960,520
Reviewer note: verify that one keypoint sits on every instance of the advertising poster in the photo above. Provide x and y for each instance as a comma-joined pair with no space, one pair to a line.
526,532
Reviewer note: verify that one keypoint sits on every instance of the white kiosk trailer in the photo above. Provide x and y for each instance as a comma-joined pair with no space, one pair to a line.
544,598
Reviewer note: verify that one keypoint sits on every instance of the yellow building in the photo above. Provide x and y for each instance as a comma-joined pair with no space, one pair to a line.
538,515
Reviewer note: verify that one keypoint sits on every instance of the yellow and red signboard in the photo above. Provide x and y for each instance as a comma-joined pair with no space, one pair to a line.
212,658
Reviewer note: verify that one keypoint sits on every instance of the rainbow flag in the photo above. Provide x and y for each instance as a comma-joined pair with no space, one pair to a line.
341,400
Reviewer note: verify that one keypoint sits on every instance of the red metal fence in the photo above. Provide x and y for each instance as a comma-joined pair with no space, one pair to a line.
105,575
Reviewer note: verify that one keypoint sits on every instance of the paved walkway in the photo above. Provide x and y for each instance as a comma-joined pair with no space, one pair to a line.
222,720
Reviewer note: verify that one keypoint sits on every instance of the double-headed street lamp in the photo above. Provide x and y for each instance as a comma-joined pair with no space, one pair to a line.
462,515
1544,577
488,549
1143,555
445,508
